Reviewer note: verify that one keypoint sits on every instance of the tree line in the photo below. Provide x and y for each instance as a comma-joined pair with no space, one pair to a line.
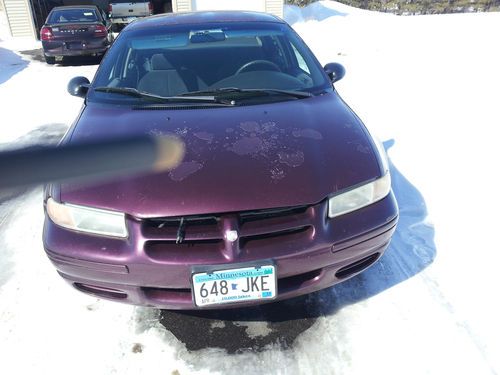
413,7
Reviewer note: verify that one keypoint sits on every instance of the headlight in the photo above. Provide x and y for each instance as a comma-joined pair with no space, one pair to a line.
383,155
86,219
359,197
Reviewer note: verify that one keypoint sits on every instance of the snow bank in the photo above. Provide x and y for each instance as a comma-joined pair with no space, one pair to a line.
10,64
37,97
321,10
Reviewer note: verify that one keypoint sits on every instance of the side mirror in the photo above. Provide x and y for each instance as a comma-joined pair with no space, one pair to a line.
79,86
335,71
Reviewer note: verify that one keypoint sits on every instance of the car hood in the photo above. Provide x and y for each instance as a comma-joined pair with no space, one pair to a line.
283,154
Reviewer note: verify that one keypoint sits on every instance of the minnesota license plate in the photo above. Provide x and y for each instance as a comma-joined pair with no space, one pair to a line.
234,285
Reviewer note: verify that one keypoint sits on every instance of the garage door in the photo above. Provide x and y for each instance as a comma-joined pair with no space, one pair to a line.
256,5
19,18
181,6
270,6
275,7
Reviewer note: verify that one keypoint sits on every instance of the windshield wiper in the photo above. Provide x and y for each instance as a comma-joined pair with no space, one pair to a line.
157,98
257,92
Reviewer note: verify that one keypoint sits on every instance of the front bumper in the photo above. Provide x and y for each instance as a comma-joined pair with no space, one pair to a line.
317,256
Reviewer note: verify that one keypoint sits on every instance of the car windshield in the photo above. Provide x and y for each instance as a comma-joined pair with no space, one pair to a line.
72,15
243,60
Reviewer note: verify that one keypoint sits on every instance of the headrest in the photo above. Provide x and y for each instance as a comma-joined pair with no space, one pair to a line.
159,62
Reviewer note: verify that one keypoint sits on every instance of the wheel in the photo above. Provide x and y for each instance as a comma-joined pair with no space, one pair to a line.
98,57
117,27
268,63
51,60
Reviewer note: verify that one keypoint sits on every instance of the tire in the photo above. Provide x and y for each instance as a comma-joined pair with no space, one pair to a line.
117,27
51,60
98,58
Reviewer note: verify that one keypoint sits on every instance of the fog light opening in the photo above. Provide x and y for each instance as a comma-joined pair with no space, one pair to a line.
100,291
357,266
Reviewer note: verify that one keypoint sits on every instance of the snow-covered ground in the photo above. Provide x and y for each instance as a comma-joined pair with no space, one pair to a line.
31,93
428,87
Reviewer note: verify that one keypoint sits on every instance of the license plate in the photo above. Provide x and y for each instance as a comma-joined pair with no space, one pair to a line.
234,285
74,45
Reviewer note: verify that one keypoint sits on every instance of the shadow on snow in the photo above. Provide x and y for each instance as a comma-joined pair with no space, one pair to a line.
10,64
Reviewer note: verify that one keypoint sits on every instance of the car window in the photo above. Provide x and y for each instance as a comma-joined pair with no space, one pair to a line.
300,61
169,61
72,15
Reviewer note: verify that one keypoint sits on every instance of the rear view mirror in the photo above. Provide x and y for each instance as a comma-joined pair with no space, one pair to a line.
79,86
335,71
207,36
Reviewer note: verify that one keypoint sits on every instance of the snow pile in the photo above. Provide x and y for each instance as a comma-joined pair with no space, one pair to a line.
10,64
37,97
55,328
427,86
321,10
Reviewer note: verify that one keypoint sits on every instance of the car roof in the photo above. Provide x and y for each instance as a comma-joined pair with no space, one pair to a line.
203,17
76,7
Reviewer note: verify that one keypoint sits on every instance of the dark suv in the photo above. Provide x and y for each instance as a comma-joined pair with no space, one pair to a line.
282,190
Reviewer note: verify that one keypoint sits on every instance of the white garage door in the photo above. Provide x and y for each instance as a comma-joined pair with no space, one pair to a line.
271,6
19,18
256,5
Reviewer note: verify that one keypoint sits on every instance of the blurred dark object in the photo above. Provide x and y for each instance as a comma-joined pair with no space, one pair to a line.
89,160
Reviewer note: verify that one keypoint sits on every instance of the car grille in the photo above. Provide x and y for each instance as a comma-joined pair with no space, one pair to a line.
206,238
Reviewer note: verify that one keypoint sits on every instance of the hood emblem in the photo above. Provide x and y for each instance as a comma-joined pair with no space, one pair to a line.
231,235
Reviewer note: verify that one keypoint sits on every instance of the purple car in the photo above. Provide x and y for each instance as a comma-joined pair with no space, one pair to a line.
75,31
282,190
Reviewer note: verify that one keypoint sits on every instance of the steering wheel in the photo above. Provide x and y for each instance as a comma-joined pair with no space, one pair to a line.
268,63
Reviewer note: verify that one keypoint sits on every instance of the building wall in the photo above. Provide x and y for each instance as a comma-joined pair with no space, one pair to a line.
182,6
271,6
255,5
19,17
275,7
